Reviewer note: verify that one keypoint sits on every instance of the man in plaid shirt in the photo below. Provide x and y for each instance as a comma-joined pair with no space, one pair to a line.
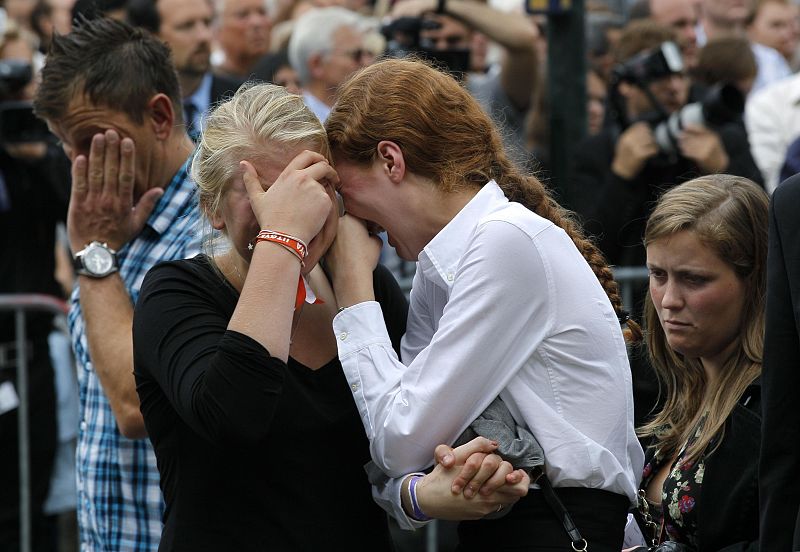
110,94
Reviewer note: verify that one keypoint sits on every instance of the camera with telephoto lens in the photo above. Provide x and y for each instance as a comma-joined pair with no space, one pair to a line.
723,103
18,123
651,65
403,39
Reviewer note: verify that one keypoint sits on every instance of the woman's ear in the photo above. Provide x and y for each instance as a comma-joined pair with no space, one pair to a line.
391,157
217,222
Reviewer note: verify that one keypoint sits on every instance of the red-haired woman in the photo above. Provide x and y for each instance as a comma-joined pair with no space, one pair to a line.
509,300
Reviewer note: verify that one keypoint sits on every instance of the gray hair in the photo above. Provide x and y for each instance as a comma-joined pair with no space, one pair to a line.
313,34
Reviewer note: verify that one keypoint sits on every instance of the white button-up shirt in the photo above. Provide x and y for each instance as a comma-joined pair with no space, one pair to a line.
502,304
772,116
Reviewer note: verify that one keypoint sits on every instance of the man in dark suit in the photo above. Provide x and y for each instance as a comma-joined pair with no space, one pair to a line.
779,484
185,26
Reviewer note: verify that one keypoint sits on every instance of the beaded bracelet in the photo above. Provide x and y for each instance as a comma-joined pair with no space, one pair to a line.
418,514
293,244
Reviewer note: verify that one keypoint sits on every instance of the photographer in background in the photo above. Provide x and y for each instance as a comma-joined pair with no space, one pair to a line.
653,142
34,191
453,31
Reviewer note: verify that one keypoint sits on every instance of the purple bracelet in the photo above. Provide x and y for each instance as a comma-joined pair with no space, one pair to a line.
419,515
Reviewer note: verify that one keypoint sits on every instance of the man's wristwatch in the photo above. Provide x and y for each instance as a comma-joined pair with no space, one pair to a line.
96,260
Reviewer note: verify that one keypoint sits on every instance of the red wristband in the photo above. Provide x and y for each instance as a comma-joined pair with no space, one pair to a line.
293,244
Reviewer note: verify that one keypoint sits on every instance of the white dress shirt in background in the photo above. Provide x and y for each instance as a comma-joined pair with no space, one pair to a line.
772,117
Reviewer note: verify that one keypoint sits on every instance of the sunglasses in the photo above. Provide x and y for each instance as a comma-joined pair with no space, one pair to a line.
355,54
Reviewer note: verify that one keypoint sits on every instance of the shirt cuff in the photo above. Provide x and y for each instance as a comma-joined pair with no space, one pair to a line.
360,326
404,521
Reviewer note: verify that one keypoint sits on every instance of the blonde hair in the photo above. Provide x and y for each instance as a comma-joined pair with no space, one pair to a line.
728,214
258,124
446,136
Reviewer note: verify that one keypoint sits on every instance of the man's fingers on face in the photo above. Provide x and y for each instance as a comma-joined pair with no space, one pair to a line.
111,162
127,158
79,182
96,163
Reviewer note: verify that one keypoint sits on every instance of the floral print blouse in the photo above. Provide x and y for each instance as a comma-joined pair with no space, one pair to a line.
677,515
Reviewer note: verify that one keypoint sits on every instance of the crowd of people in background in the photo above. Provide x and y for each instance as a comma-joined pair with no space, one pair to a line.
195,150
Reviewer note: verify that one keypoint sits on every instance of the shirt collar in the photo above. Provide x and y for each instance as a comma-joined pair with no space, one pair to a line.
317,106
201,98
439,259
180,189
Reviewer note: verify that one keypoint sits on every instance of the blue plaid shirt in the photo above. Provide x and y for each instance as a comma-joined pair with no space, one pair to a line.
119,499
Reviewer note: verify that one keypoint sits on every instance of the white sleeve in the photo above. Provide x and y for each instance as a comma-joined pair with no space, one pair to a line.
386,492
420,327
497,314
764,123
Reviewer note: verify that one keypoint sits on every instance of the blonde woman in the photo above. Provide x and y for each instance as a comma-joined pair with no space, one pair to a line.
706,251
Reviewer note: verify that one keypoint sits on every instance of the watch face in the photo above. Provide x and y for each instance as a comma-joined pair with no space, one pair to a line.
98,260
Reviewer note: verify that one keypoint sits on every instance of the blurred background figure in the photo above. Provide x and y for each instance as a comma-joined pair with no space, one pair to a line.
34,191
652,142
774,23
51,16
186,27
679,15
454,34
596,97
602,36
242,36
92,9
725,60
276,69
773,123
729,17
326,47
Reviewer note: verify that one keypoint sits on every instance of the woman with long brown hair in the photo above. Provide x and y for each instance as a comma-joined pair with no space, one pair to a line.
706,251
509,300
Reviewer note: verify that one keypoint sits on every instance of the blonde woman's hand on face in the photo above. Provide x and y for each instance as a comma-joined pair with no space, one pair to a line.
298,202
351,260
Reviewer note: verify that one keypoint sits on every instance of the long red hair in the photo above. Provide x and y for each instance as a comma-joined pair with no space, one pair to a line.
446,137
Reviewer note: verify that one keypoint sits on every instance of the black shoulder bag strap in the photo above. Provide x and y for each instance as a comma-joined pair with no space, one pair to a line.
579,544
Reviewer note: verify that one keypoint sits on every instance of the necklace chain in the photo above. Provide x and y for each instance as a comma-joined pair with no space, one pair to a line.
295,324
